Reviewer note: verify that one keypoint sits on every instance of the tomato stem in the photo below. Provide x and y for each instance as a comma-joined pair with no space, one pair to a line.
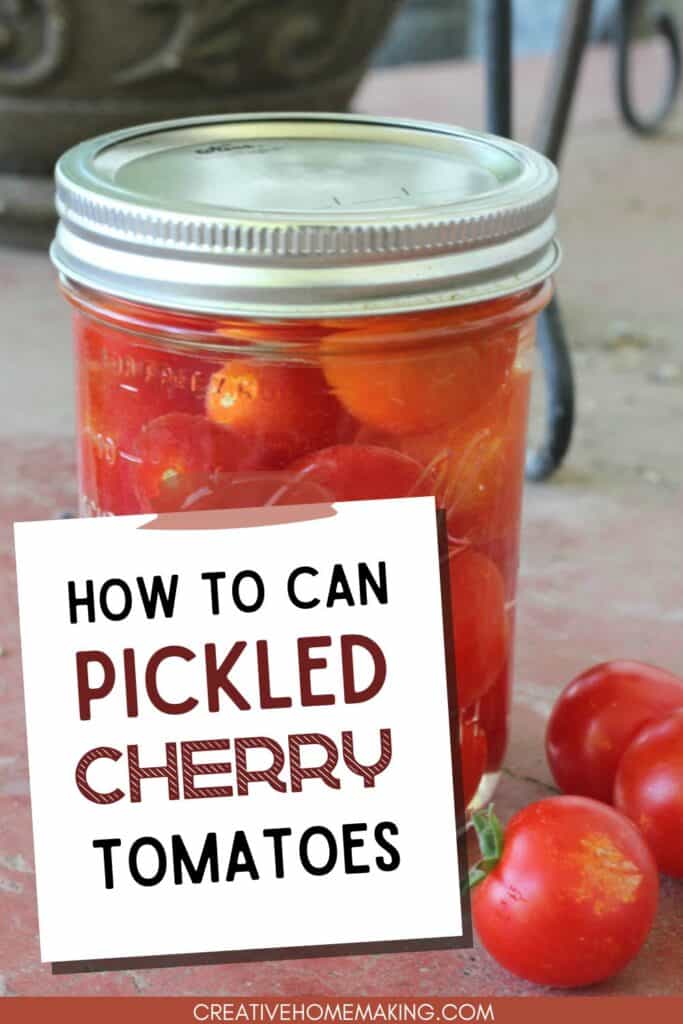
490,836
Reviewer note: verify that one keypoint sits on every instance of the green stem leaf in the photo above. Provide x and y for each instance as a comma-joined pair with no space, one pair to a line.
490,836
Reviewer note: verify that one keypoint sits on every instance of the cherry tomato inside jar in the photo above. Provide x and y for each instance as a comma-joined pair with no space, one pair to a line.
473,755
491,712
360,472
179,453
283,411
255,490
125,384
413,389
477,465
480,628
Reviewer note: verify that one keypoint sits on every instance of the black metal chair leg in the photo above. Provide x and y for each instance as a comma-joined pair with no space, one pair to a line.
557,371
551,128
552,341
559,380
665,23
498,42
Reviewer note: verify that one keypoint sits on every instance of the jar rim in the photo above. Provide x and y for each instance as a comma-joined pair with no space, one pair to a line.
281,337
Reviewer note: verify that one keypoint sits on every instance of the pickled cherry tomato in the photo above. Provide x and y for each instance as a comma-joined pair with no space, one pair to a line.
284,410
473,758
504,553
421,387
478,465
363,472
492,716
469,469
91,376
254,490
124,385
106,488
377,438
176,454
479,624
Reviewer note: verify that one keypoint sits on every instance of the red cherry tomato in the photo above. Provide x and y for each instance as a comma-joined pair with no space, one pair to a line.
473,758
254,490
377,438
649,789
363,472
597,716
479,624
430,382
479,465
492,715
125,383
176,454
284,411
570,897
105,476
504,552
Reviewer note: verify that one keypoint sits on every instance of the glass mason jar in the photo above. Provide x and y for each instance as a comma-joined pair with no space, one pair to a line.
275,309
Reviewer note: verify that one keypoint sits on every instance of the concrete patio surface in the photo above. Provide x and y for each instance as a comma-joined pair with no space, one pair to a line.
602,545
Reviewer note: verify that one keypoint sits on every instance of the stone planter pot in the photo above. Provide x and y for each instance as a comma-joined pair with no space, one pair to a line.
74,68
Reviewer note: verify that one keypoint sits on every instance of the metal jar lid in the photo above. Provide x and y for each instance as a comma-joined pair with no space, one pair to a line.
303,215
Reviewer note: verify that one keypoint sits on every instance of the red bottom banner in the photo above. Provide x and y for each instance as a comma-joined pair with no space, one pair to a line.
406,1010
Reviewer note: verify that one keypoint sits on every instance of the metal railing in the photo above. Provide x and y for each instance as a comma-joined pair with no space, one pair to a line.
549,137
